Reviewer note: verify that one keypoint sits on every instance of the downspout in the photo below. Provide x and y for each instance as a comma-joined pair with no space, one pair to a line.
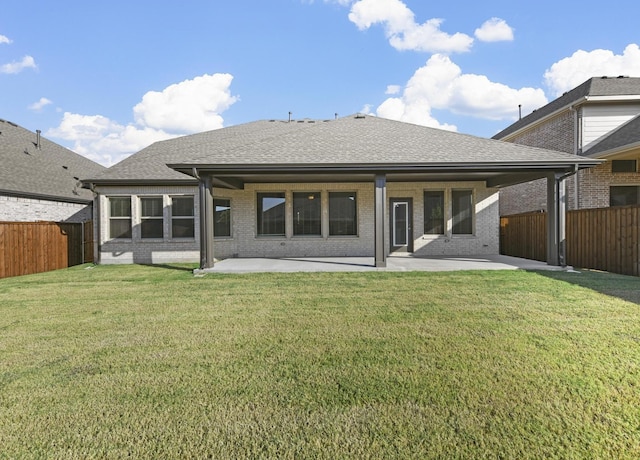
96,226
576,145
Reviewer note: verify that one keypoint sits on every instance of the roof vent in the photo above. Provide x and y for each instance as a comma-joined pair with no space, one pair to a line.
360,116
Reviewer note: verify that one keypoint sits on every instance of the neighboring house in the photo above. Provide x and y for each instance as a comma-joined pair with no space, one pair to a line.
40,180
354,186
598,119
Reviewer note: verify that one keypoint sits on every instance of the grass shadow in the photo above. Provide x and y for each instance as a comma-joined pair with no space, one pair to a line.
621,286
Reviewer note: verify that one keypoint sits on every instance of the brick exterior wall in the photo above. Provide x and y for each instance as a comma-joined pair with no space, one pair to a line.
558,133
137,250
16,209
245,243
595,183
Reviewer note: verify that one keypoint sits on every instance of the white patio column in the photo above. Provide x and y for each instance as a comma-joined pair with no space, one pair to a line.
206,222
380,199
556,219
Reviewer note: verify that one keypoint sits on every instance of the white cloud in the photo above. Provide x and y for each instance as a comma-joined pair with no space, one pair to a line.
187,107
18,66
190,106
4,40
440,84
37,106
403,32
393,89
569,72
494,30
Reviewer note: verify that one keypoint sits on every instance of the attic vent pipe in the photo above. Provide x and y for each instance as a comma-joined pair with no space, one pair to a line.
38,138
290,113
519,111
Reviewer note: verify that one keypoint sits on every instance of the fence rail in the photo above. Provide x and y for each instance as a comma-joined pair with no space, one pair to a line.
35,247
602,239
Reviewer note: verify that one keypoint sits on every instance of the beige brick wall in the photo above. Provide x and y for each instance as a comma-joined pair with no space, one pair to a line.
141,251
595,183
16,209
244,241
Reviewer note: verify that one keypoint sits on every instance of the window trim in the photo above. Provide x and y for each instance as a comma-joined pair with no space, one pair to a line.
192,217
356,216
318,197
230,235
443,192
620,169
472,212
259,213
636,186
121,218
143,219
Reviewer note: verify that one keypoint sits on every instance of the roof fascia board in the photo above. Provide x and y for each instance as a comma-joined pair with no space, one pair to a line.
616,150
618,98
37,196
214,170
186,181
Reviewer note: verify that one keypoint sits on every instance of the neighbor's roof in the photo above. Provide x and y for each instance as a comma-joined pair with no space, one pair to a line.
626,135
50,172
594,87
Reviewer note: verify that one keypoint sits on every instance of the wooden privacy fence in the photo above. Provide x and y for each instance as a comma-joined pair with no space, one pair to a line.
602,239
524,235
34,247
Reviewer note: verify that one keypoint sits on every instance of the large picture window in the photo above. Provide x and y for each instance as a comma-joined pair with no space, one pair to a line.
307,216
623,195
343,213
462,212
151,218
434,212
222,218
120,217
182,217
271,214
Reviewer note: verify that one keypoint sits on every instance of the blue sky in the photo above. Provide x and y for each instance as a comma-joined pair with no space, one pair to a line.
107,79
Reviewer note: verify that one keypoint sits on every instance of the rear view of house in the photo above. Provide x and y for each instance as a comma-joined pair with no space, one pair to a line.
355,186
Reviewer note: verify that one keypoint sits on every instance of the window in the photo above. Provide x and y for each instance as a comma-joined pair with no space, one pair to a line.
271,214
624,195
462,212
151,219
434,212
343,213
120,217
182,217
307,218
622,166
222,217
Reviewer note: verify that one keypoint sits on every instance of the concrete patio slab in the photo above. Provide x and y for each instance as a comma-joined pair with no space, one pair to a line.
394,264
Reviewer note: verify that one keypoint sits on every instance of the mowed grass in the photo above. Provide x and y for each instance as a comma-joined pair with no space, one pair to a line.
150,362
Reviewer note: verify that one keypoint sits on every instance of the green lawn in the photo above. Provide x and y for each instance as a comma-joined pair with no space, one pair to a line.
150,362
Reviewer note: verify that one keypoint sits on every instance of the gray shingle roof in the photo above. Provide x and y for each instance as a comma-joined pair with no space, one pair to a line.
352,140
597,86
51,172
627,134
358,140
150,164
